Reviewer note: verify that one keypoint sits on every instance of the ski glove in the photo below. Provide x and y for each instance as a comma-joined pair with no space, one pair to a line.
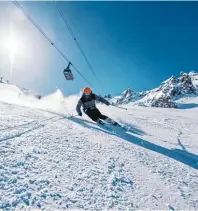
80,114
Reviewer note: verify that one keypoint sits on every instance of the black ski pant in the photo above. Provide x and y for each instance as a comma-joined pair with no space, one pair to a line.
95,114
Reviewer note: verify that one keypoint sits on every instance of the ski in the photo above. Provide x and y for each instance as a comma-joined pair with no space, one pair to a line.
113,124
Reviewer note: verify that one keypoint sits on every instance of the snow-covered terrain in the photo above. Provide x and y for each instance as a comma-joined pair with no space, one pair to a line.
50,161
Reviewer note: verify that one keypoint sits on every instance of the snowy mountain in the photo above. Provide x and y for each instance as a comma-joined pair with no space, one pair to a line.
194,77
52,161
166,95
128,96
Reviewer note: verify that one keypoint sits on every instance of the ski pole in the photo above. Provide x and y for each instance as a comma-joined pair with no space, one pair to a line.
119,107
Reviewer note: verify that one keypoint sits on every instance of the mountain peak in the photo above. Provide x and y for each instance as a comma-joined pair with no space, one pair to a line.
127,93
166,94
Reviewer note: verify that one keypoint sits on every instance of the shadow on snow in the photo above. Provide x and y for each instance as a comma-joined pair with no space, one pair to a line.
182,156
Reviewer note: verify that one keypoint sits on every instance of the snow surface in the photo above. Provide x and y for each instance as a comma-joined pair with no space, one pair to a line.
50,161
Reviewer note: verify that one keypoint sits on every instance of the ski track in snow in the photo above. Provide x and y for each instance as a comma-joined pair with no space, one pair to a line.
50,162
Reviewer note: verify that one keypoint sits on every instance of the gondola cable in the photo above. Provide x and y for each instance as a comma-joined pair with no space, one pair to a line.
60,10
48,39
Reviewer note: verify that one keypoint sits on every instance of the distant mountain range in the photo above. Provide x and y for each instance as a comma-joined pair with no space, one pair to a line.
166,95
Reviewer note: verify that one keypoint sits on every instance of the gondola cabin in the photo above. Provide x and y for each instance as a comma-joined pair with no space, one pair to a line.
68,73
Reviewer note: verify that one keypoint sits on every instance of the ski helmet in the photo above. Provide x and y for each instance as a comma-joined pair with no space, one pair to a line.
87,91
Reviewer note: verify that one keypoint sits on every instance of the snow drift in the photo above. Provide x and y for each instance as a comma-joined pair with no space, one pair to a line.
55,102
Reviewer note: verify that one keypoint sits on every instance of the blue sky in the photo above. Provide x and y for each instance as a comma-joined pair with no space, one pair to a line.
129,44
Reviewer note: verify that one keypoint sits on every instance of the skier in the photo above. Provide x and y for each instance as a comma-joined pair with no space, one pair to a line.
87,101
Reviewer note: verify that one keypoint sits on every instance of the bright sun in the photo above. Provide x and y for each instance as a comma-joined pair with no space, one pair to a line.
11,44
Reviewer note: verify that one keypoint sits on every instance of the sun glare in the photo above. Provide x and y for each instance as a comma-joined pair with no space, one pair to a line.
19,48
11,44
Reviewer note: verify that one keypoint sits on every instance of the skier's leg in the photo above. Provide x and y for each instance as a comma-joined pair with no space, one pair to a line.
99,115
103,117
90,114
106,118
94,115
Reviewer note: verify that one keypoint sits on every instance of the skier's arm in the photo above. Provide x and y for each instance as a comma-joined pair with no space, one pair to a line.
78,106
101,99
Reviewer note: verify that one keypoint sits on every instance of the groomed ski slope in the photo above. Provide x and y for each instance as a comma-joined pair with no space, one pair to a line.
53,162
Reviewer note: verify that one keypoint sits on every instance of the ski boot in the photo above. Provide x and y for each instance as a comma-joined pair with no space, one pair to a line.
111,121
99,121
